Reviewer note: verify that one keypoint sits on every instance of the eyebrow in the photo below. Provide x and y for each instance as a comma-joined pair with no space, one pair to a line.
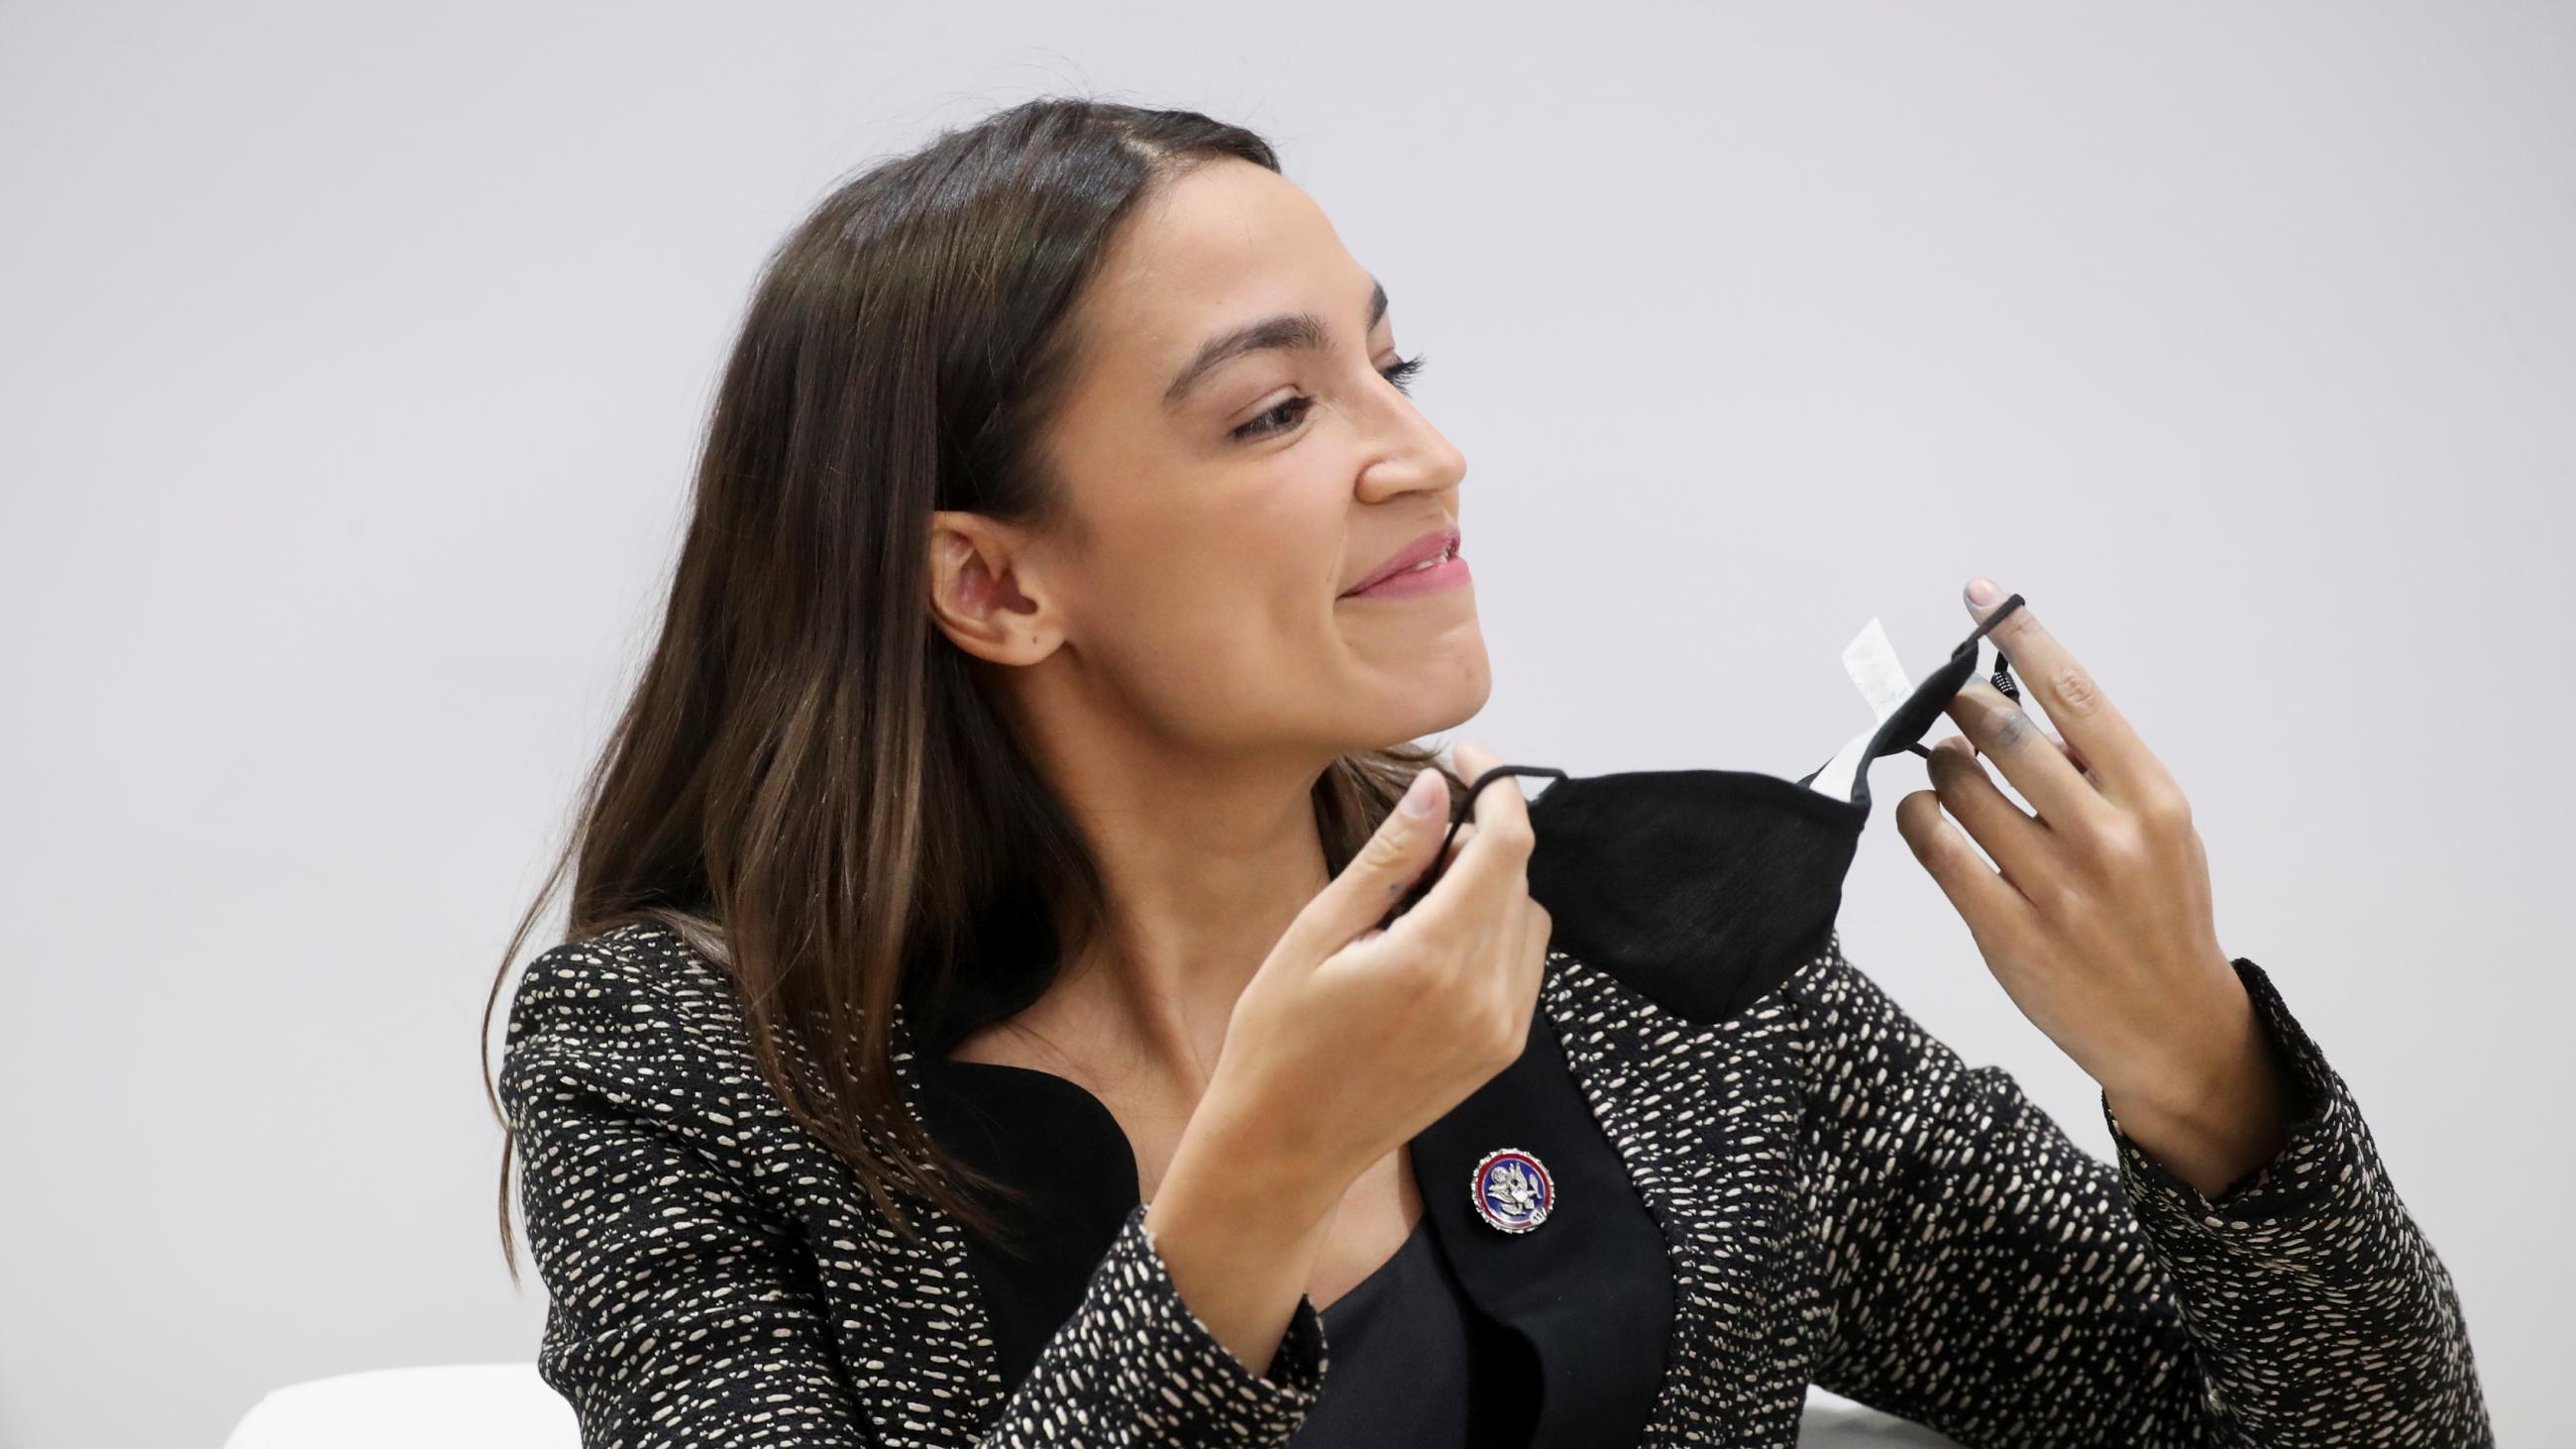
1298,331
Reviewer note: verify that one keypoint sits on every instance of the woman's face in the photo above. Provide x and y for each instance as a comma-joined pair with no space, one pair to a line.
1228,508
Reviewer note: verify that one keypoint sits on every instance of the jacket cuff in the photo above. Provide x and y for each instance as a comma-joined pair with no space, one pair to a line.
2327,1152
1187,1386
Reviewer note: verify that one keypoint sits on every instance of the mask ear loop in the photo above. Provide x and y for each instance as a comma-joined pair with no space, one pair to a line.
2002,678
1458,816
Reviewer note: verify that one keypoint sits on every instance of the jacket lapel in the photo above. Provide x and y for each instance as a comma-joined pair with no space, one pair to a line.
1591,1287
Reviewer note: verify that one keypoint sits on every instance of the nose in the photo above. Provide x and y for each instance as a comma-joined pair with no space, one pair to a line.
1415,458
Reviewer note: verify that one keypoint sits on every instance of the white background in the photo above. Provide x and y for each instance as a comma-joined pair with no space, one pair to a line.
353,359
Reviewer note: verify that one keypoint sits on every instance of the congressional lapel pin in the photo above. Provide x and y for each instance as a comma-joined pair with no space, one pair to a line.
1512,1190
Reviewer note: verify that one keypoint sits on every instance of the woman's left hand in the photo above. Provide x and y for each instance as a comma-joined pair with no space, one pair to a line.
2098,921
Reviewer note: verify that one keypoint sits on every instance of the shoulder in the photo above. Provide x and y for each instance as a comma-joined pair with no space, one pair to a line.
635,999
636,1026
639,967
1700,890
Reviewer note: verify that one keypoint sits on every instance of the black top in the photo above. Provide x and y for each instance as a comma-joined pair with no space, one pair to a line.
1414,1362
1595,1278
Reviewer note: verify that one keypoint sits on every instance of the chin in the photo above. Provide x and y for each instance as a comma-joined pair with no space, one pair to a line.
1445,694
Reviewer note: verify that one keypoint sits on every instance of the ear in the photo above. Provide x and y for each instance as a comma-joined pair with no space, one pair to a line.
981,592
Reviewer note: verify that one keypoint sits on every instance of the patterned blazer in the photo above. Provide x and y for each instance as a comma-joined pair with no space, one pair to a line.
1766,1175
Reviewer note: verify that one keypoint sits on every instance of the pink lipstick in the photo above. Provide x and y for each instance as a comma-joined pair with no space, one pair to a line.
1428,565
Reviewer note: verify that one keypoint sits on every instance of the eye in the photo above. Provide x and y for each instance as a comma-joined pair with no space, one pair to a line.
1281,418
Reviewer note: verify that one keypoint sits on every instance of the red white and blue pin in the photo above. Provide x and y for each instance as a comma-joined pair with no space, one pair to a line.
1512,1190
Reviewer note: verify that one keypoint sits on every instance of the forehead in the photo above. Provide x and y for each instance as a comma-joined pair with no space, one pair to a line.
1229,242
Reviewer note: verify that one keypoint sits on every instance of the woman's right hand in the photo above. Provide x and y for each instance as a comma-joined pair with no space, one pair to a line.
1347,1042
1350,1039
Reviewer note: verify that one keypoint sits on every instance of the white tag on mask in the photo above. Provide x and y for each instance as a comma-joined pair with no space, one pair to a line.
1871,662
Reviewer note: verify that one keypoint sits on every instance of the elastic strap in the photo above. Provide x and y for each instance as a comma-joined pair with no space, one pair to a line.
2002,678
1465,808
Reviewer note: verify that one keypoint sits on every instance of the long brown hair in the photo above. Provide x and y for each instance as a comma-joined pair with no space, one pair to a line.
807,784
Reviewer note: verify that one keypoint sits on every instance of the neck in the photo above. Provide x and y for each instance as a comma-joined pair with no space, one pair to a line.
1204,865
1196,902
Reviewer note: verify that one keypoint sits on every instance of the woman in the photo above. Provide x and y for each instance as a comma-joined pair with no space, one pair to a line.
1003,1004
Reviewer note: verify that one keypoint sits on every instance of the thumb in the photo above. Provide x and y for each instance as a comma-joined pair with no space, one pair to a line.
1377,876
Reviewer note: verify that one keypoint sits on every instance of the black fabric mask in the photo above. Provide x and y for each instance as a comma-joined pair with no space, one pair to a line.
1706,888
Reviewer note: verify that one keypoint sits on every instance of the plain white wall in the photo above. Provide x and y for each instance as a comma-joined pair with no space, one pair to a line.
353,359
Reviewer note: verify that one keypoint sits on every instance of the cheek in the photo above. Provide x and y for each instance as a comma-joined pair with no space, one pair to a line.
1258,569
1231,616
1227,627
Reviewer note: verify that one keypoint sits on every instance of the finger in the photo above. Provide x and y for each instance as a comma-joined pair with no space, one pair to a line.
1502,801
2014,740
2129,772
2073,755
1386,864
1983,899
1490,866
1429,876
2019,844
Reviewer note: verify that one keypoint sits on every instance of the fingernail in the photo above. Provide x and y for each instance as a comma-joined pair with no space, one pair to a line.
1417,796
1982,591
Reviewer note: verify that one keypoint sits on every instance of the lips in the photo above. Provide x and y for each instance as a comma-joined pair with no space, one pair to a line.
1431,545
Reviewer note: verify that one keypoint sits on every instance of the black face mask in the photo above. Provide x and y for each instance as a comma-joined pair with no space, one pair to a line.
1708,886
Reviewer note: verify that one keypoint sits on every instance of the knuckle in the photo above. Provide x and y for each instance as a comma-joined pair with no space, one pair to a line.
2165,808
2121,844
1417,979
2070,687
1385,852
2013,729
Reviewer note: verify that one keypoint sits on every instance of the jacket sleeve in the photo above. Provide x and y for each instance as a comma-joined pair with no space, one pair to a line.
1989,1279
683,1311
1134,1366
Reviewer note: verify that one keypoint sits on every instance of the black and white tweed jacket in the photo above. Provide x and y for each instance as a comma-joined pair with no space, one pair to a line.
1768,1174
